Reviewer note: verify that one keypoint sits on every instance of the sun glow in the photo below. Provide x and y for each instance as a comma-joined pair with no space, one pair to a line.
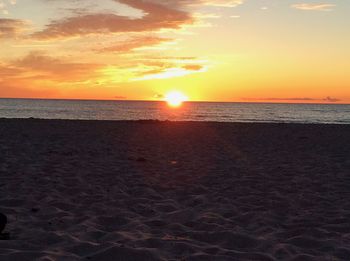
175,98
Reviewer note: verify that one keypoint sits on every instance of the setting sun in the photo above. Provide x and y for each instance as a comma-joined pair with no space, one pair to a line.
175,98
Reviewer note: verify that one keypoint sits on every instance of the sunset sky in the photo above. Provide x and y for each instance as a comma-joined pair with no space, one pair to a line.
213,50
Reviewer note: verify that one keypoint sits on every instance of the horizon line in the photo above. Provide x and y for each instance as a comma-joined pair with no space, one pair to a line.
194,101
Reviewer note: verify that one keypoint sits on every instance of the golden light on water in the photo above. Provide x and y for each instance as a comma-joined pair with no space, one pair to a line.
175,98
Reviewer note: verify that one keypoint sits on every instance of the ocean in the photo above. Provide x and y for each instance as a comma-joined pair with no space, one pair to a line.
189,111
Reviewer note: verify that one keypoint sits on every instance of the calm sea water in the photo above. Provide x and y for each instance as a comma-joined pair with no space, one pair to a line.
190,111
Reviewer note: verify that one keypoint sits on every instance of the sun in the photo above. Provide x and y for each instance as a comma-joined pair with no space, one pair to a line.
175,98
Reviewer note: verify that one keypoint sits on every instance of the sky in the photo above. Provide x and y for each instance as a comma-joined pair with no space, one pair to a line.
211,50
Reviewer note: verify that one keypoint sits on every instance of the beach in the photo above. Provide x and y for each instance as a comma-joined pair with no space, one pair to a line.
151,190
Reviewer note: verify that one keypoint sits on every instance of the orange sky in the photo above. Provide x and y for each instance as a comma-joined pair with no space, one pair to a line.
213,50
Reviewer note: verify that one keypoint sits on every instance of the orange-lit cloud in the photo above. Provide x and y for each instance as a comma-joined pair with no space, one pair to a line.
222,3
41,74
156,17
295,99
38,68
193,67
11,27
7,71
55,68
314,7
170,72
134,43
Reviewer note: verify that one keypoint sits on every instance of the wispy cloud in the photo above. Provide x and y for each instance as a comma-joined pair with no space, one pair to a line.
218,3
295,99
41,68
4,6
169,73
10,28
135,43
120,97
330,99
53,68
314,7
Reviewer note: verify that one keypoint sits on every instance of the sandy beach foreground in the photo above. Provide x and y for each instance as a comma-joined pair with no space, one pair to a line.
88,190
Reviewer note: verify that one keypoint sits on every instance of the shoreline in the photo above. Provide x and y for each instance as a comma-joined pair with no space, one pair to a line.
162,190
155,121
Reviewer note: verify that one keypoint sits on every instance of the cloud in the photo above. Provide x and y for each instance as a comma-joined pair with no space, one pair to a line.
206,16
120,97
193,67
4,4
43,66
169,71
305,99
157,16
285,99
41,69
38,74
134,43
330,99
7,71
219,3
314,7
224,3
10,28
